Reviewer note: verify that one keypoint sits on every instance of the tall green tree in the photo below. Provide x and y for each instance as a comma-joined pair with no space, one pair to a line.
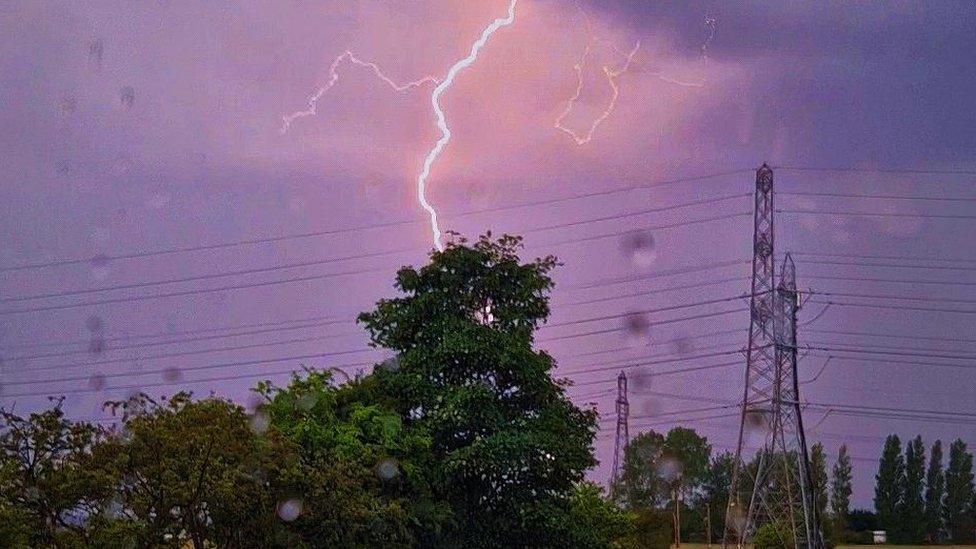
362,469
934,494
656,465
888,485
818,471
912,504
715,491
958,508
841,488
52,490
194,471
508,446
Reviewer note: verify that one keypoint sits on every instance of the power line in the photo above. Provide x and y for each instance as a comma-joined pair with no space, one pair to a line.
308,278
879,214
880,196
890,335
883,256
330,232
896,307
892,280
876,170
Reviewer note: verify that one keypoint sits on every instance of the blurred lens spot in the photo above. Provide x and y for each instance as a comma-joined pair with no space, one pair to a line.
289,509
387,469
642,379
96,382
391,364
670,469
636,328
639,248
96,50
99,265
259,422
172,374
97,345
127,96
94,323
683,346
67,105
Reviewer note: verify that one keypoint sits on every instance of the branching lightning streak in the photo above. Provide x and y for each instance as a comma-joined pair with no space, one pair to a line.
442,120
612,75
287,119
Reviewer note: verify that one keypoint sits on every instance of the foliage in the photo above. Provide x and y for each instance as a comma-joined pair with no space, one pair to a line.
51,490
508,446
912,504
841,488
195,470
769,536
595,522
818,473
715,491
934,494
888,484
958,507
362,470
655,465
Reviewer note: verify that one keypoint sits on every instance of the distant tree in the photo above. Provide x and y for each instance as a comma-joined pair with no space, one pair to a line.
508,445
656,465
841,489
52,490
196,472
912,504
715,491
888,485
595,522
818,470
934,494
861,520
958,509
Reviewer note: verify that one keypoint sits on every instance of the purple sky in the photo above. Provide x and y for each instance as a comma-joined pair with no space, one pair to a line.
135,127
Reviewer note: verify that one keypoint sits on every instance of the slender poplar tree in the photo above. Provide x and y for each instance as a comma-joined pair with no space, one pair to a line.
912,505
841,488
888,485
958,507
934,494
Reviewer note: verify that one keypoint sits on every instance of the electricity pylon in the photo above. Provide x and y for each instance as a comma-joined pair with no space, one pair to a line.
777,489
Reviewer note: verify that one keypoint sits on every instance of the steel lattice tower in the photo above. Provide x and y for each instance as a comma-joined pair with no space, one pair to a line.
623,433
776,489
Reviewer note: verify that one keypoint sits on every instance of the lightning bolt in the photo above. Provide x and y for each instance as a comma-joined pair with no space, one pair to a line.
442,120
612,75
287,119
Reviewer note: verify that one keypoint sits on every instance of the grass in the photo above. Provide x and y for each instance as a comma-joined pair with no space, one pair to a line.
719,546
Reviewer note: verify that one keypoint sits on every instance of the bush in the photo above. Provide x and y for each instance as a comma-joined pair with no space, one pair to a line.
770,537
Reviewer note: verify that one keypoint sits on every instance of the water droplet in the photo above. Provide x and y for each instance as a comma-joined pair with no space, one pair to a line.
97,345
127,96
67,104
96,50
639,247
97,382
289,509
99,265
95,323
637,328
172,374
387,469
259,422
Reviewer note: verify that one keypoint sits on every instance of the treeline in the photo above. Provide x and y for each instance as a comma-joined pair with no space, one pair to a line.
915,504
463,440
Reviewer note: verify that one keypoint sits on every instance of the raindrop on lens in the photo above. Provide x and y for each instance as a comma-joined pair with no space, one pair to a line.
289,509
96,382
259,422
94,324
387,469
97,345
639,247
637,328
172,374
127,96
